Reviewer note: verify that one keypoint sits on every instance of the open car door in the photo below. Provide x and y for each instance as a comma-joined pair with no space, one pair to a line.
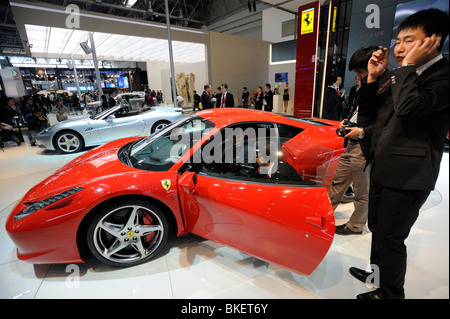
292,226
288,222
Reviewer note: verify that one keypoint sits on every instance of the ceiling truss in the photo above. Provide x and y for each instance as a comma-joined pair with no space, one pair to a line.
188,13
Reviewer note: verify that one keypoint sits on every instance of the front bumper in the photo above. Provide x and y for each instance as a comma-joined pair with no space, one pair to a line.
44,140
49,239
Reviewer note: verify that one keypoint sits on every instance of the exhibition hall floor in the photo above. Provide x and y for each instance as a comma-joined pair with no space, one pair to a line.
192,267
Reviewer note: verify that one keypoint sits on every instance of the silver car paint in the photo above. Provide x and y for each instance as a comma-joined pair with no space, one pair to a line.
105,128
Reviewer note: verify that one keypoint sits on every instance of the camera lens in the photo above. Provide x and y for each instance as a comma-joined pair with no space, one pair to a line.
341,132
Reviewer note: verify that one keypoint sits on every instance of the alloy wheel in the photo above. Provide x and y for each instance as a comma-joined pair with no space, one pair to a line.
128,234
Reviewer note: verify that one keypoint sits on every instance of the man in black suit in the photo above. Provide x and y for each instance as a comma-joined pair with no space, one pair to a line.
245,97
111,100
268,97
207,101
225,98
411,105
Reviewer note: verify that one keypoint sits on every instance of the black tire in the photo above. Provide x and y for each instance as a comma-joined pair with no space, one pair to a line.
159,126
127,233
68,142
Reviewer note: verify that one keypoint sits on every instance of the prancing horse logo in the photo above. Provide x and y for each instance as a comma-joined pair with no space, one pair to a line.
166,183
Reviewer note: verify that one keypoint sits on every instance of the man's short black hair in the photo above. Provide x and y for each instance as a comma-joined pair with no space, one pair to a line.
432,21
361,57
332,78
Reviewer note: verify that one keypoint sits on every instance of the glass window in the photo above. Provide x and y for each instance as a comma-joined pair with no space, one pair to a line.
248,151
160,151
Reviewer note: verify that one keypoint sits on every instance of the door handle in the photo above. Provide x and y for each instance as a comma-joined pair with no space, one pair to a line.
188,182
315,221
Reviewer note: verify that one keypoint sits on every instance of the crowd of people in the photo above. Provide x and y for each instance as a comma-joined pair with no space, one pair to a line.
31,111
261,99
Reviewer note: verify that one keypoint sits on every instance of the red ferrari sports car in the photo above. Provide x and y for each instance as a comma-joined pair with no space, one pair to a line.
251,180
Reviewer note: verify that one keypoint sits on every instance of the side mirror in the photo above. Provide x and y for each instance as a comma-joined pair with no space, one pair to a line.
188,182
110,118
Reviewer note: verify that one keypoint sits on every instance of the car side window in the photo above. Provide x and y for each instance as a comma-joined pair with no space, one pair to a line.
249,152
160,151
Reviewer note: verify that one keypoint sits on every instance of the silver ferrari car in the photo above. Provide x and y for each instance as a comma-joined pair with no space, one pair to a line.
73,135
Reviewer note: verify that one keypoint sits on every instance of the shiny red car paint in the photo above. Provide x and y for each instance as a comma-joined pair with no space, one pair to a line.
289,225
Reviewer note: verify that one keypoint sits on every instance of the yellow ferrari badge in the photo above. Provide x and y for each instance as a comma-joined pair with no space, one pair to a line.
307,25
166,183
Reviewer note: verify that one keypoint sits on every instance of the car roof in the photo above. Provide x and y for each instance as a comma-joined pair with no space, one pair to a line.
226,116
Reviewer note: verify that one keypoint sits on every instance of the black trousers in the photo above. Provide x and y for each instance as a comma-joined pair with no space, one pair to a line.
392,213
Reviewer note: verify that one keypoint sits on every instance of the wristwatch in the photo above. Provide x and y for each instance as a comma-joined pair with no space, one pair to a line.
361,135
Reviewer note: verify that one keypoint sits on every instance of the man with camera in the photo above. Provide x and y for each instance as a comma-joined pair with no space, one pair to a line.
356,129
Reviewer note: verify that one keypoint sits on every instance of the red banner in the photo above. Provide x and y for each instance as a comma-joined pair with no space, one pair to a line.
305,74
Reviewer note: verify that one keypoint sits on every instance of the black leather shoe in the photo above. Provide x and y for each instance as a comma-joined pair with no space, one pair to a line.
370,295
344,230
359,274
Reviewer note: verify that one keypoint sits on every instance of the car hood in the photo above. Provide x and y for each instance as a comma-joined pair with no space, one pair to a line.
97,164
68,123
85,118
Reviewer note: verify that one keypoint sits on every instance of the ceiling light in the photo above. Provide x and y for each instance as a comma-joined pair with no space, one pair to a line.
85,47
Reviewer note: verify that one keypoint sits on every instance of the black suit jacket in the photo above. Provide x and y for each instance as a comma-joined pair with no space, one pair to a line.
269,100
412,123
259,101
330,104
206,101
229,100
245,96
111,101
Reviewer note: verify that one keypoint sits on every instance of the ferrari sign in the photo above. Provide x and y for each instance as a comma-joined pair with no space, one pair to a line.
307,24
166,183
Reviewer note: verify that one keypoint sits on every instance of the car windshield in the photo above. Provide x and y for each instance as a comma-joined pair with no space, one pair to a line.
159,151
102,114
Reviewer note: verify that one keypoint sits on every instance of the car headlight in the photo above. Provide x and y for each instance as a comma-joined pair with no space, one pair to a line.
46,130
35,206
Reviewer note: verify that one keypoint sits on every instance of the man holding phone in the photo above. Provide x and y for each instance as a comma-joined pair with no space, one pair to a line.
411,109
